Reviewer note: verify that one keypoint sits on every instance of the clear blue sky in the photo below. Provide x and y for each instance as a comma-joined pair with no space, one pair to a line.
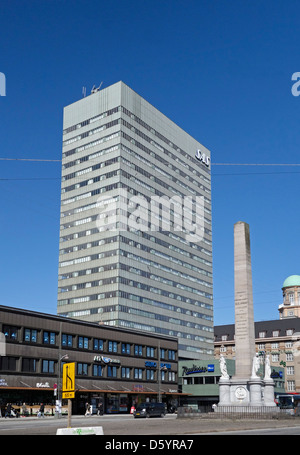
220,69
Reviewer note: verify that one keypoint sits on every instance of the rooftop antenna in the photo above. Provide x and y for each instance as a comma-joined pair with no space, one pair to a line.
84,92
96,89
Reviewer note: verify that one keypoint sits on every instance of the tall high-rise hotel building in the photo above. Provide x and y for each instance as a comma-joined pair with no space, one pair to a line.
135,229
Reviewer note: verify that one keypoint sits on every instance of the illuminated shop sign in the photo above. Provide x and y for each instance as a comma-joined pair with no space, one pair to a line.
154,365
276,374
203,158
138,388
198,369
43,385
102,358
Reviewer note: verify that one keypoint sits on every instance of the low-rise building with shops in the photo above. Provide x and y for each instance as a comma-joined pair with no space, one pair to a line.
115,366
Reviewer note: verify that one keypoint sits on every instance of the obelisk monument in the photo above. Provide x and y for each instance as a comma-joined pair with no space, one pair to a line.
244,317
246,389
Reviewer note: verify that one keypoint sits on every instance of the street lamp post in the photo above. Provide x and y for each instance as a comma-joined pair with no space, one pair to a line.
160,368
159,371
59,387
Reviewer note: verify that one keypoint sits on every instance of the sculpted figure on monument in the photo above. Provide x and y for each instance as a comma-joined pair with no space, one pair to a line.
255,366
223,367
267,368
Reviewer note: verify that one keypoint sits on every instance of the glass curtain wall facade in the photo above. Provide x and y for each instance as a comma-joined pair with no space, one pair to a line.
135,229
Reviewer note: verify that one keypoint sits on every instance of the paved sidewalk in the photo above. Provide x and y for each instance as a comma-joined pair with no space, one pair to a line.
125,425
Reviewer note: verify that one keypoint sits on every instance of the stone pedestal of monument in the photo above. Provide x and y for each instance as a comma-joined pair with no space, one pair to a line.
252,395
269,392
224,392
255,386
239,392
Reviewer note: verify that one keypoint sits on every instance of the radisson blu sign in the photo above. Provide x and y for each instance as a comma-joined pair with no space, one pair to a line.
198,369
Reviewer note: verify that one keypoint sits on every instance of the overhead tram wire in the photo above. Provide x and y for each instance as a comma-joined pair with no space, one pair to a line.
213,164
255,164
30,159
214,175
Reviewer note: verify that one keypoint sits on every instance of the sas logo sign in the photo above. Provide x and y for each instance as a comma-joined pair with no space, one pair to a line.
203,158
101,358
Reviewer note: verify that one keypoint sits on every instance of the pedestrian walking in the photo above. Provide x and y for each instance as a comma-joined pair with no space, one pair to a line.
41,410
24,410
8,410
87,409
100,409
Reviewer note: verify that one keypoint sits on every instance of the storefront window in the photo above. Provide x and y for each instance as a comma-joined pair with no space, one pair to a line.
82,369
8,363
98,344
97,370
111,372
30,335
29,365
67,340
138,350
171,354
123,406
83,342
150,374
112,346
150,351
125,348
112,403
125,373
10,332
48,366
138,373
49,338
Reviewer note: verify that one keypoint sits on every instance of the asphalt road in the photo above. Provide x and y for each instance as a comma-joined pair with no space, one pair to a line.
126,425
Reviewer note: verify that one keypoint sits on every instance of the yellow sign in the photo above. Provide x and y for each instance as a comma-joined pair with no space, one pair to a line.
68,395
68,384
